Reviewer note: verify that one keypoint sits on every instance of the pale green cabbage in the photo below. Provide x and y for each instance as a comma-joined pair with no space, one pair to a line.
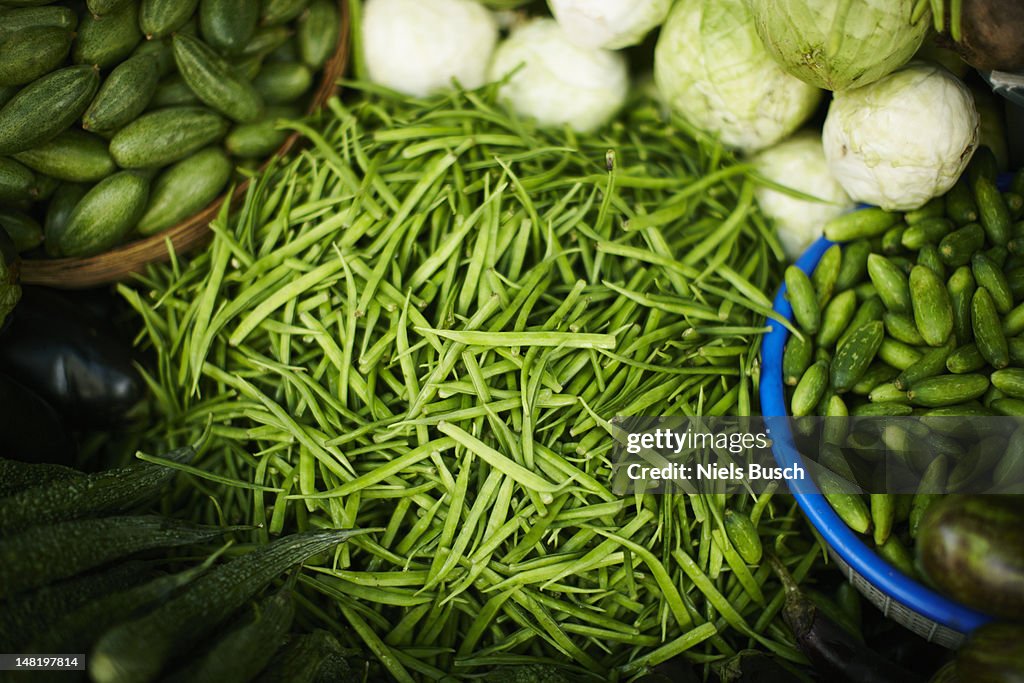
711,67
903,139
611,24
839,44
798,163
556,81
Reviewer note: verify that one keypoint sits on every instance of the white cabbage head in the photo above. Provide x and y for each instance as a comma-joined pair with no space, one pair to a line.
839,44
559,82
799,164
611,24
418,46
903,139
711,67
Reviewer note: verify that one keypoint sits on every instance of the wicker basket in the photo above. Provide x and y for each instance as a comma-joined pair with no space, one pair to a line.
120,262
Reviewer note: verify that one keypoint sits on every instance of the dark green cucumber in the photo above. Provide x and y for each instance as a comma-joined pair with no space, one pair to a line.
888,393
185,188
892,240
161,137
276,12
117,490
79,629
960,203
160,18
989,275
882,410
248,645
947,390
855,355
73,156
849,506
836,318
30,615
957,247
932,363
965,359
992,654
16,475
926,231
285,82
16,180
810,389
58,551
825,273
228,25
105,41
14,21
860,224
32,53
1010,381
25,231
137,650
972,549
961,288
992,209
318,33
933,311
803,299
1011,407
854,266
215,82
106,213
63,202
1013,323
988,330
897,354
124,95
46,107
890,283
796,358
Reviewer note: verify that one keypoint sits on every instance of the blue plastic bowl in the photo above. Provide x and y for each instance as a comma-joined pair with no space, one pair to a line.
912,604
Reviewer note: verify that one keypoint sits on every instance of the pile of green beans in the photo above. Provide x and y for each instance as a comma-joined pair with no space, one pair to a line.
425,322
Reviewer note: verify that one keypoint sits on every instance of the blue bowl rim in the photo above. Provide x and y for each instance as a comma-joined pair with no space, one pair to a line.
861,558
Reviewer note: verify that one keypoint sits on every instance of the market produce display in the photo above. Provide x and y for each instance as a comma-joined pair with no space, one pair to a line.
390,387
121,119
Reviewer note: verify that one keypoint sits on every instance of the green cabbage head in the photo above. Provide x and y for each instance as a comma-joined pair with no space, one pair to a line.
711,68
839,44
